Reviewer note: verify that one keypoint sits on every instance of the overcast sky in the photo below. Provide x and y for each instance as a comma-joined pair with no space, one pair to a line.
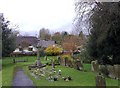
32,15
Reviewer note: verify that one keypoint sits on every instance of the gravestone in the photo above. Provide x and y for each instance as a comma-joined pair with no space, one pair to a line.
94,66
53,64
45,58
117,71
66,60
100,81
59,59
103,70
111,71
63,62
70,64
78,65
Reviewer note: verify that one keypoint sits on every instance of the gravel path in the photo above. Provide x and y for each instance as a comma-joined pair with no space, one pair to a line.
22,80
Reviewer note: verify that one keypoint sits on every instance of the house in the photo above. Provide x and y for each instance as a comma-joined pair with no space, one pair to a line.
25,41
27,44
45,44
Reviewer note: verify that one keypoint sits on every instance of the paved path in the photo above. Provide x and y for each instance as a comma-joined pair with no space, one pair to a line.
21,80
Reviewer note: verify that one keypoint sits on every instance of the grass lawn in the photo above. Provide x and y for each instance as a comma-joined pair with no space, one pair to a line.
79,78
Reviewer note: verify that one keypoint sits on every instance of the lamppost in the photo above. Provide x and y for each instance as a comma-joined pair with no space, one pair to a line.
38,55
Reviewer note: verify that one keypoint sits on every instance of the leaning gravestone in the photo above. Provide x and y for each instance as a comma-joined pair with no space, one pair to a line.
94,66
100,81
117,71
111,71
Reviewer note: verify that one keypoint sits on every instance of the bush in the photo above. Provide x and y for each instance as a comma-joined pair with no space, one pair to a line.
67,57
53,50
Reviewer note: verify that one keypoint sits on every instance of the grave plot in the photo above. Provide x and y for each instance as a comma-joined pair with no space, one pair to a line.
49,73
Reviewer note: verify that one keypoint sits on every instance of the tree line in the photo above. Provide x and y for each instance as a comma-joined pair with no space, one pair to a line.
102,20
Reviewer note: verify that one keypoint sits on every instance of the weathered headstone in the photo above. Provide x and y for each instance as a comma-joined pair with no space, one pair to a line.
94,66
70,63
103,70
78,65
45,58
59,59
117,71
100,81
53,64
63,62
111,71
66,60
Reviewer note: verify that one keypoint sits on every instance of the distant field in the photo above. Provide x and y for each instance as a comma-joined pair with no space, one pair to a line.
79,78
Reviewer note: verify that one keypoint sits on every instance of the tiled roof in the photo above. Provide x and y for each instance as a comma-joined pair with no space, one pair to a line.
30,39
45,44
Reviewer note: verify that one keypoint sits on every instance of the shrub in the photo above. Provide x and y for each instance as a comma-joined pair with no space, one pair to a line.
53,50
67,57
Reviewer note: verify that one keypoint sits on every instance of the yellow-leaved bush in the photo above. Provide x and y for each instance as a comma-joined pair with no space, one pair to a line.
53,50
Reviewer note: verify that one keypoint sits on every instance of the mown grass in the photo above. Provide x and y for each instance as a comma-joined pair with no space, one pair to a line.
80,78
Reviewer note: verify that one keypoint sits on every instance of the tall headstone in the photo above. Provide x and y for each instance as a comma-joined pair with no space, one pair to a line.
100,81
59,59
65,59
53,64
94,66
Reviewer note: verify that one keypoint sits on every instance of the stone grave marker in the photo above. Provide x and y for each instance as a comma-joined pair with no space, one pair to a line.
100,81
66,60
78,65
111,71
45,58
94,66
117,71
53,64
70,64
59,59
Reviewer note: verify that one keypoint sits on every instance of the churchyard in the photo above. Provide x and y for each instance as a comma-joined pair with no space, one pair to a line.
51,74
